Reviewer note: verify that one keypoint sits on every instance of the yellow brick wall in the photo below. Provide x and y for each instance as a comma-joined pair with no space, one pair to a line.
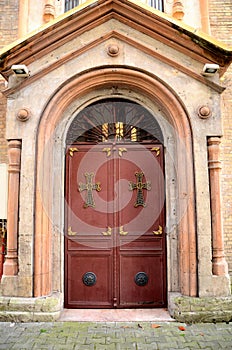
221,27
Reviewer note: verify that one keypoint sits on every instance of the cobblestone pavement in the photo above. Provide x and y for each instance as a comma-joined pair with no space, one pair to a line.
115,335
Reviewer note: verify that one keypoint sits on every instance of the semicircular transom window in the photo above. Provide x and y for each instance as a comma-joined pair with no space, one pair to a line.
114,120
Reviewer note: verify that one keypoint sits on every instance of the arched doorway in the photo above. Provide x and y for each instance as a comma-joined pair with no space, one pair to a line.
180,193
115,246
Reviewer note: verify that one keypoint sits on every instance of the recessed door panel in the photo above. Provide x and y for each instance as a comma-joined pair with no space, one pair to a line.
141,280
89,279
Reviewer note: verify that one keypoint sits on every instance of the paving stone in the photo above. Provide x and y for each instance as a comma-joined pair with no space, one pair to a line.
114,336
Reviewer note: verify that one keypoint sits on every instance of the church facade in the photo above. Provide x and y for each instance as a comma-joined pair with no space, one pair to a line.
113,124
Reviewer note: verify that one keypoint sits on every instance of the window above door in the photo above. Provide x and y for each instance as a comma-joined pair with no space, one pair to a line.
114,120
157,4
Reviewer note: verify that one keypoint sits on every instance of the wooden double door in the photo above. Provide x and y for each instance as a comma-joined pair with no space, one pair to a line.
115,252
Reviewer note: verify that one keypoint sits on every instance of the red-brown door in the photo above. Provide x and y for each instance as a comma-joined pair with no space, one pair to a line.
115,253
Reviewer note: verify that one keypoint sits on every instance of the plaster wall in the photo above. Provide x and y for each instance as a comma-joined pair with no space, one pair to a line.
82,54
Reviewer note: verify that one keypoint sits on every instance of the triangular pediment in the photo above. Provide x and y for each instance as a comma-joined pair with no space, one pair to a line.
138,17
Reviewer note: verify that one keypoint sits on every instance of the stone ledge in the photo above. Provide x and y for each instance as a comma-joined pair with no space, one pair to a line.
20,316
41,309
207,309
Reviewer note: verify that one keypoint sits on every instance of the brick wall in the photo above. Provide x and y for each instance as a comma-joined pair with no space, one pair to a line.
8,33
221,27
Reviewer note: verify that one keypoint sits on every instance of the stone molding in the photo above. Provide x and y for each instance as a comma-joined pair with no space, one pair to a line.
113,35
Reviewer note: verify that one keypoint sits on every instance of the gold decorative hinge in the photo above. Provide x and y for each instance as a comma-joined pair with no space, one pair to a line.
159,232
121,150
157,150
72,150
107,150
121,232
108,232
70,232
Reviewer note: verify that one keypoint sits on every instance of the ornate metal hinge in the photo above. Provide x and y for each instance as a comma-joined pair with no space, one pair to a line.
121,150
122,232
139,186
72,150
89,187
107,150
159,232
108,232
70,232
157,150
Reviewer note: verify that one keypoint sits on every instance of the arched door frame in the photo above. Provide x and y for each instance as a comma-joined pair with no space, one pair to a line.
111,82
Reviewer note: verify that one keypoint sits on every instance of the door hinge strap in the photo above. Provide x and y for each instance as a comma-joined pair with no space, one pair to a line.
159,232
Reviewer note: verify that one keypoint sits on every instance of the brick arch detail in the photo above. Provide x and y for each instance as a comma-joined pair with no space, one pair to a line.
175,113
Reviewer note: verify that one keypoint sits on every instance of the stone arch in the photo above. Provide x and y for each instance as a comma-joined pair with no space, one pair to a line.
153,89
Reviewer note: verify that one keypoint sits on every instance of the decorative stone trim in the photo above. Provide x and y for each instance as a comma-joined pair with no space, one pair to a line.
178,10
204,112
23,114
49,11
113,50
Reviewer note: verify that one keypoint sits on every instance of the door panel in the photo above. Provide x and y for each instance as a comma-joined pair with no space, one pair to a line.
83,289
138,267
115,226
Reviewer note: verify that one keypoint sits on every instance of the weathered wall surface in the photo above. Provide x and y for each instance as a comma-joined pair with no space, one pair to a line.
8,33
221,27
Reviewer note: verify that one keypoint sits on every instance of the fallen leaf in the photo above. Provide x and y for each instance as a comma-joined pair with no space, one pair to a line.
155,326
181,328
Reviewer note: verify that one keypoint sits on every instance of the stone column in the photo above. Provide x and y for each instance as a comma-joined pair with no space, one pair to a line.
218,258
10,267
